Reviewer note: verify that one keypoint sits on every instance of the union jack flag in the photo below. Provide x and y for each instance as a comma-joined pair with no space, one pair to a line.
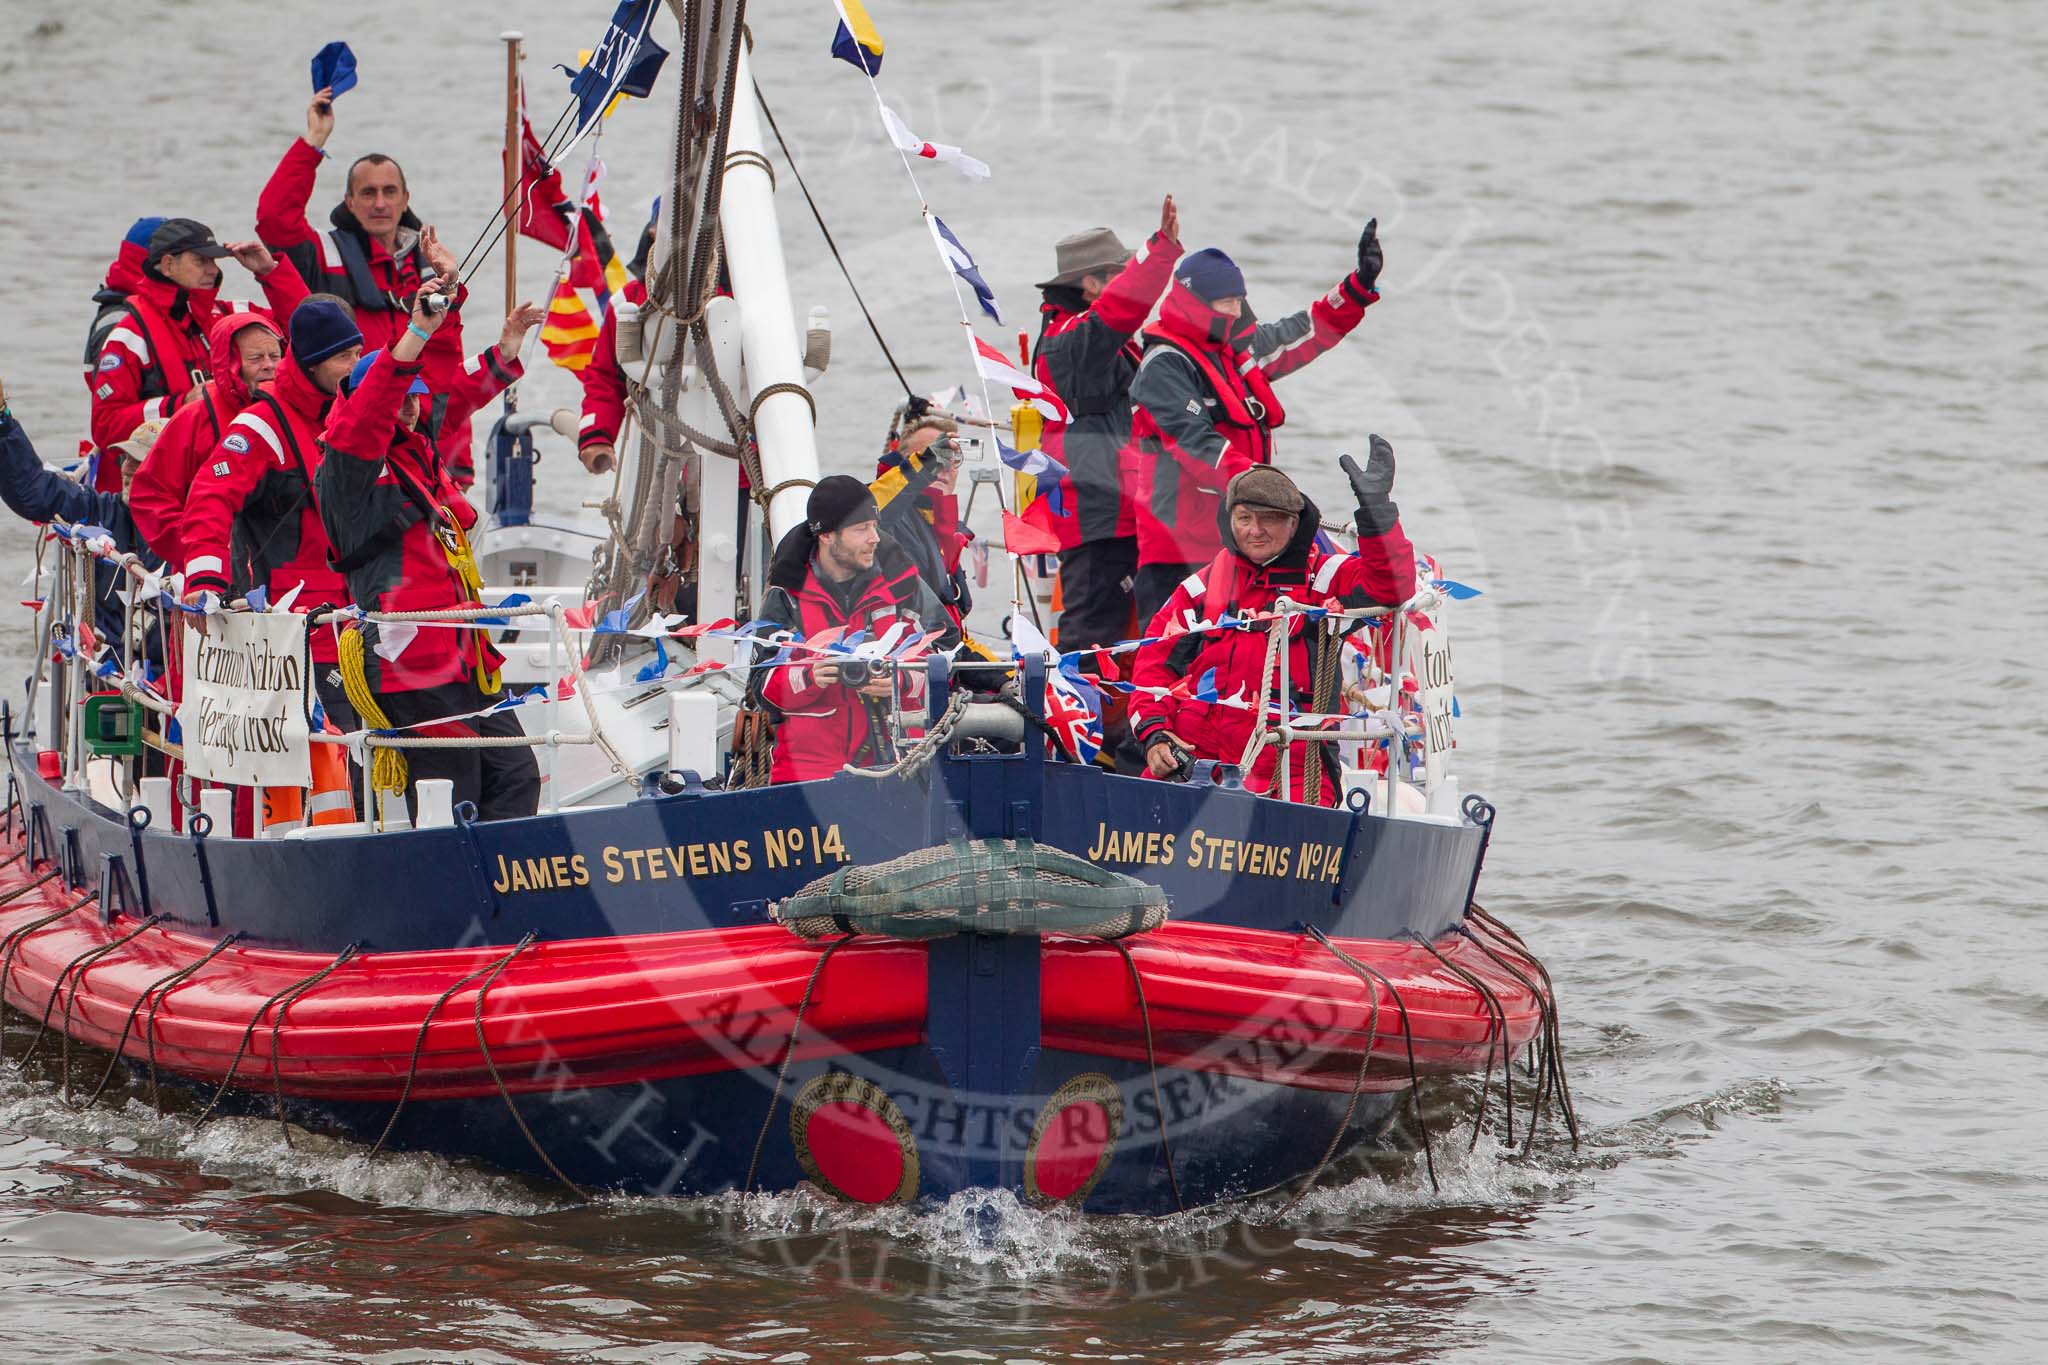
1074,711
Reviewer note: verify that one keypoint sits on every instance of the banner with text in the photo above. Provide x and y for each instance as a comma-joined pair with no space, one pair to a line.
243,715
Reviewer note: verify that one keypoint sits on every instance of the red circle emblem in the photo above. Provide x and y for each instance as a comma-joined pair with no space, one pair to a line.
1073,1139
853,1140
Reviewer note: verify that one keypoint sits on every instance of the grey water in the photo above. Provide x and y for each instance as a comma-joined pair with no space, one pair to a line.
1713,347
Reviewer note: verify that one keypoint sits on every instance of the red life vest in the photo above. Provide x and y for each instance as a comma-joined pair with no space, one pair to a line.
1176,512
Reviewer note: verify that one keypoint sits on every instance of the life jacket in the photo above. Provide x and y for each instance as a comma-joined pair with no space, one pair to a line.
435,570
356,281
178,351
1234,659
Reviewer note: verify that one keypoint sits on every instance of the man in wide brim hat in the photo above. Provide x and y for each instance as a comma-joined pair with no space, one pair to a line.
1098,298
1098,252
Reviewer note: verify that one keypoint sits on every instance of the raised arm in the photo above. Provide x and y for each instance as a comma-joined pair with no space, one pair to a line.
1280,348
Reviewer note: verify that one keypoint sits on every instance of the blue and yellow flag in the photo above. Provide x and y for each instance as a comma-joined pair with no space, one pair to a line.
857,42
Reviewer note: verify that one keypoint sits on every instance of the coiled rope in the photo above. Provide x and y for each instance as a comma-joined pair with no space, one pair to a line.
388,770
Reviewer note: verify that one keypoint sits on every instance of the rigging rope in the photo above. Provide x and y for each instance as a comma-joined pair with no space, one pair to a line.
831,245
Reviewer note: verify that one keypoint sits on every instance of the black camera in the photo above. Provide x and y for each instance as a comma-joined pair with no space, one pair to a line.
437,303
856,672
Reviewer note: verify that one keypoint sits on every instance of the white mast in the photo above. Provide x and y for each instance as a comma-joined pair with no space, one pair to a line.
783,422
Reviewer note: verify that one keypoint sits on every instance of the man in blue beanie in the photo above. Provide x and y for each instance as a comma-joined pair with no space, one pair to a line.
1203,407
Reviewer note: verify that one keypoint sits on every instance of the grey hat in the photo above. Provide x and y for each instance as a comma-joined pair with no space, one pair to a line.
1085,253
1264,486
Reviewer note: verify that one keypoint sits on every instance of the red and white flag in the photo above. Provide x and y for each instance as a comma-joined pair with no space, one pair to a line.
932,151
997,369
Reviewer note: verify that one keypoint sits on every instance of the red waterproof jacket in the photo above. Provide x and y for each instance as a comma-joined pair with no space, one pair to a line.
604,381
250,519
1203,410
1089,357
159,350
389,506
1381,573
156,499
347,262
825,726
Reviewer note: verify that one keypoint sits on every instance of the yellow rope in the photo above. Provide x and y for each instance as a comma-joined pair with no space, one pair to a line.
388,771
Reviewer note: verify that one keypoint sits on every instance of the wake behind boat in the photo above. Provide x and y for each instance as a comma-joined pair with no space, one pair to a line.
972,957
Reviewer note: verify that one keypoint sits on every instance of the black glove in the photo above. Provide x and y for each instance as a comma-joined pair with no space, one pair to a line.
1370,257
1377,513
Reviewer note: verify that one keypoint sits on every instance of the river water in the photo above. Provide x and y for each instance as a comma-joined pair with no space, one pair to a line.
1712,347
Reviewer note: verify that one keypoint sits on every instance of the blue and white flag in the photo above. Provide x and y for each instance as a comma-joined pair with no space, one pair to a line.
625,61
963,265
1049,472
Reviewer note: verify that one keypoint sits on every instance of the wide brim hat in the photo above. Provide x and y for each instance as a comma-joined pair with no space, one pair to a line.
1085,253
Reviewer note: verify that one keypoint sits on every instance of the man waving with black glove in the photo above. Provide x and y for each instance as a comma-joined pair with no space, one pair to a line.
1269,551
1202,404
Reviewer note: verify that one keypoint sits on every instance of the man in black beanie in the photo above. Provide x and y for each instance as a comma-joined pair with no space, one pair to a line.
836,572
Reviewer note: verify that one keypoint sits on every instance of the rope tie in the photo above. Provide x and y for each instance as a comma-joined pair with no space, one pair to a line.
484,1047
1372,1038
249,1033
769,391
779,489
12,944
168,979
164,989
743,157
1152,1063
789,1051
419,1042
1496,1021
77,983
1370,975
57,988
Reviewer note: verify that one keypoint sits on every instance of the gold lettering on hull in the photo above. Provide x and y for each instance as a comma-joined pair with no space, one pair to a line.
799,846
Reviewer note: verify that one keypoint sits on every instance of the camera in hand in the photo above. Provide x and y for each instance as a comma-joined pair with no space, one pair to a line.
856,672
437,303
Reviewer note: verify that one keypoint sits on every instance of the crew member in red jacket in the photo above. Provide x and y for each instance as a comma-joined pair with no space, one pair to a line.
1269,532
374,256
837,570
400,530
604,391
250,519
246,348
1203,407
155,356
1088,352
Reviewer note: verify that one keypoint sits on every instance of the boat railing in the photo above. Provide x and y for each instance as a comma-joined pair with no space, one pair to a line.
1390,725
81,544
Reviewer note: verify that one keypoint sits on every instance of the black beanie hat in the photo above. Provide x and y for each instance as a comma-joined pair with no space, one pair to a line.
320,327
839,501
